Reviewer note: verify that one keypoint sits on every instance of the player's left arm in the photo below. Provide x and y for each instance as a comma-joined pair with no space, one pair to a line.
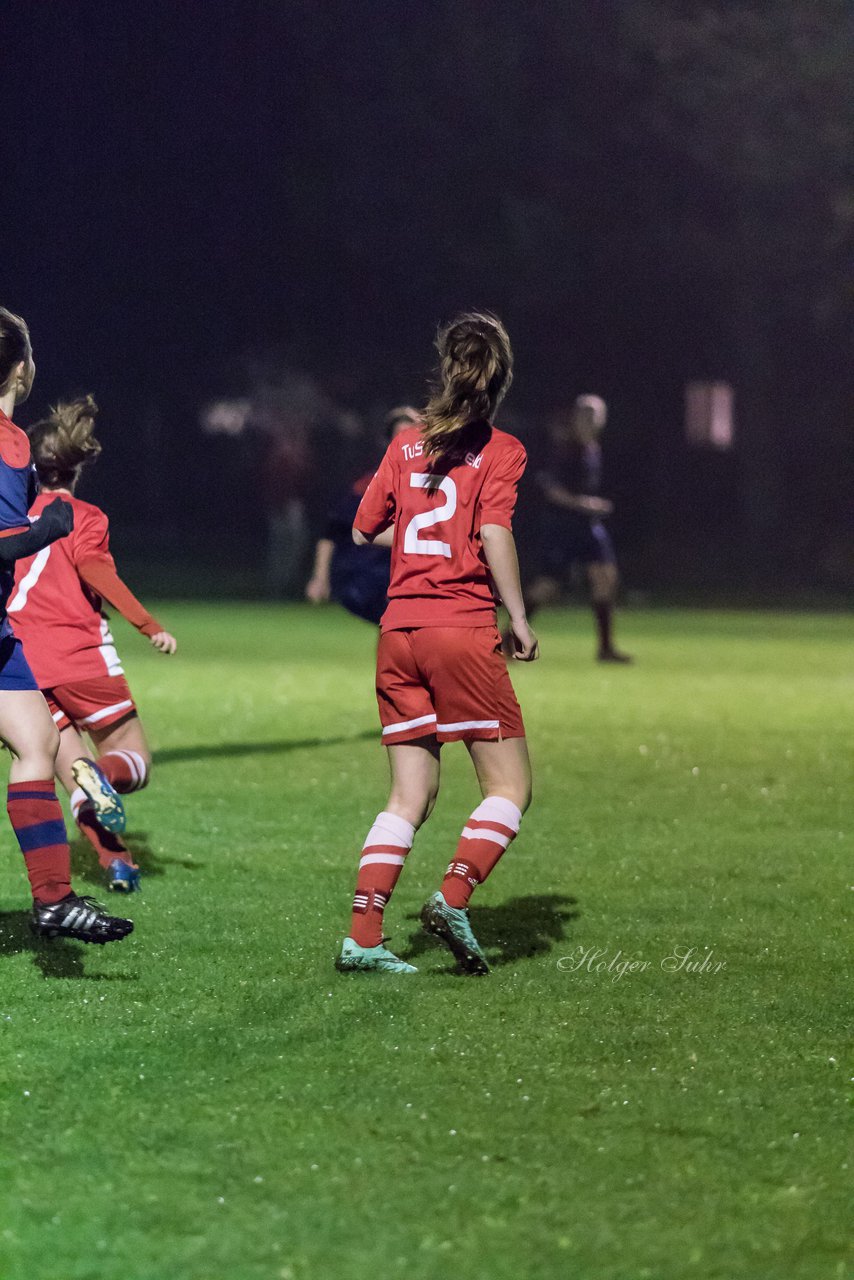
97,569
495,525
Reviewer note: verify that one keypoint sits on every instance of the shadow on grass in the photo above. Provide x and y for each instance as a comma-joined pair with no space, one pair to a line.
54,957
520,928
212,751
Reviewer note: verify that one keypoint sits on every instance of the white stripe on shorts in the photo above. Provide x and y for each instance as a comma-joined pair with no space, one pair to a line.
467,724
409,724
107,711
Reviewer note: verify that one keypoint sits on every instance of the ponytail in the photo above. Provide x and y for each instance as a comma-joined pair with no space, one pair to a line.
475,372
65,442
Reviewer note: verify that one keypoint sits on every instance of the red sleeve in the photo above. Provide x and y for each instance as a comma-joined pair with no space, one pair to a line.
498,495
96,567
90,537
377,508
101,577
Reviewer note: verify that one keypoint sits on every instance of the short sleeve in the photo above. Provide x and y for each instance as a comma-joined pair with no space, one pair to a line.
498,495
377,508
91,536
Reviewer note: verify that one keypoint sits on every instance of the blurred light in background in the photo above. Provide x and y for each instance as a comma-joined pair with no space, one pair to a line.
709,414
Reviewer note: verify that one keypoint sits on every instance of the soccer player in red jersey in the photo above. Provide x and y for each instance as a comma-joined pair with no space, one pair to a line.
443,499
26,727
56,610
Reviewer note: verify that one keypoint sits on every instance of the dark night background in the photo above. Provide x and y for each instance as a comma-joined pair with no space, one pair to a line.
647,192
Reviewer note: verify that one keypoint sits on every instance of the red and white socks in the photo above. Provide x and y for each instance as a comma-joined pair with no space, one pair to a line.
383,855
485,836
125,770
107,846
36,817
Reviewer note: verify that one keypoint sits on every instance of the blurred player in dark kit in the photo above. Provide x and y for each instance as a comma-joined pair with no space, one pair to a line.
572,524
355,577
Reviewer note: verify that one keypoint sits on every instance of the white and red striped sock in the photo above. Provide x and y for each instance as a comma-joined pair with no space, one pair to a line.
106,845
125,770
485,836
383,855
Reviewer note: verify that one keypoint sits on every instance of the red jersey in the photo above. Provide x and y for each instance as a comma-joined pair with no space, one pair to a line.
439,574
55,607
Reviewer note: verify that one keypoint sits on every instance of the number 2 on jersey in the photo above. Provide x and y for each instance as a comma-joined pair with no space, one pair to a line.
412,543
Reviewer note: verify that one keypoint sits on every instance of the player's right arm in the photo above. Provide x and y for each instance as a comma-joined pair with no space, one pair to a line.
56,521
374,521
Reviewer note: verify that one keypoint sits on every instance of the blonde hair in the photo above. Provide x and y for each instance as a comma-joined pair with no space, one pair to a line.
65,442
475,372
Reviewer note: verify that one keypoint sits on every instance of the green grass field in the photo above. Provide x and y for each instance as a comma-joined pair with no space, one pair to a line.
211,1101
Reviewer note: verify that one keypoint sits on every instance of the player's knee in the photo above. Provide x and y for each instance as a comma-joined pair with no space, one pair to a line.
414,808
40,750
518,793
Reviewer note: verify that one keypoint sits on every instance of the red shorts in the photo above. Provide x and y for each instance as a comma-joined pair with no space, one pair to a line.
90,704
447,681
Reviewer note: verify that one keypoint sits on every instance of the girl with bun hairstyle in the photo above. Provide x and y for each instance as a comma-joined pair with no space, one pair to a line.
26,727
57,611
443,499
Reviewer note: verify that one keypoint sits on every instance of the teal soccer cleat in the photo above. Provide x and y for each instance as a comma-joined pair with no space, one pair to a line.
107,802
356,959
451,925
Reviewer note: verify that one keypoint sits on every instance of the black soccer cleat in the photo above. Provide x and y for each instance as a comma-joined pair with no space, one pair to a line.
80,918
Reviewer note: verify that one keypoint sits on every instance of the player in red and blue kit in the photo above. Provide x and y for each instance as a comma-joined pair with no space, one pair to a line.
26,726
56,610
443,499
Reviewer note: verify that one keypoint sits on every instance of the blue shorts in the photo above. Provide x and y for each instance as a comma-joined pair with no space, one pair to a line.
15,674
364,594
568,542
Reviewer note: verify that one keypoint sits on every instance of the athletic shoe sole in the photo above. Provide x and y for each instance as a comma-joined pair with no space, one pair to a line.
109,809
433,921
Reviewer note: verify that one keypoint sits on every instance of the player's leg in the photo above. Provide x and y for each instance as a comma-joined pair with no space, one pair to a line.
604,582
113,855
124,755
504,774
414,787
408,722
27,728
476,704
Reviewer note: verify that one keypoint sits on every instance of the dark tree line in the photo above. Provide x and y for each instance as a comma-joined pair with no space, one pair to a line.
648,191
